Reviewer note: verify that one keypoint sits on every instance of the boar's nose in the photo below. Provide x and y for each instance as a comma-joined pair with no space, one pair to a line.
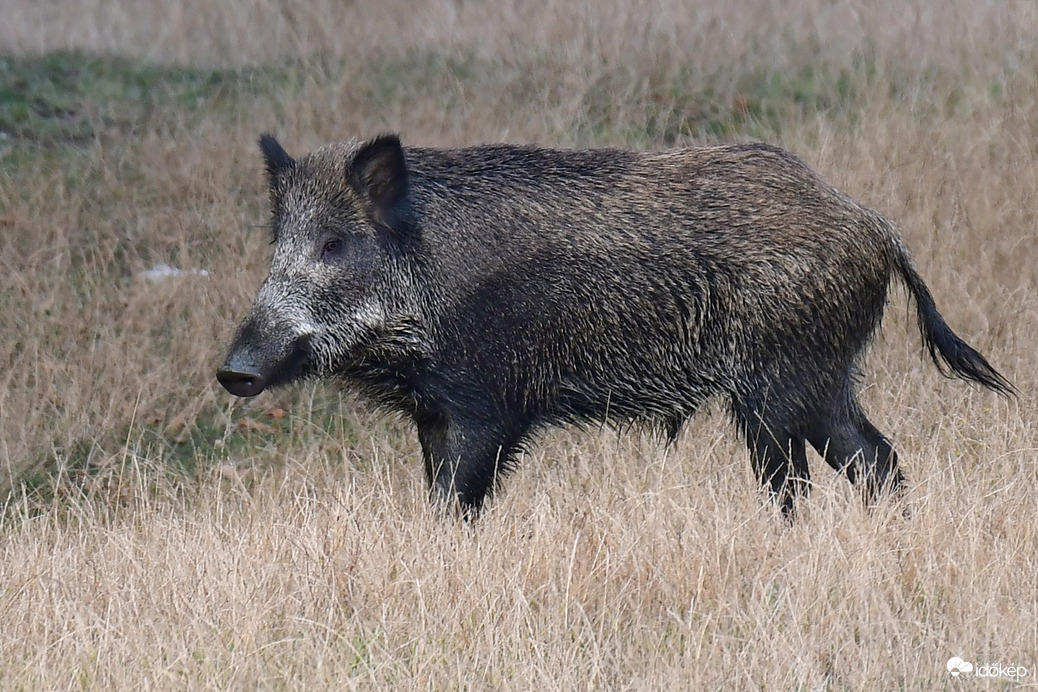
241,380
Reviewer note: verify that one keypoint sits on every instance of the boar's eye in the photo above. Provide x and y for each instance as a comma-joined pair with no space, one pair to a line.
331,249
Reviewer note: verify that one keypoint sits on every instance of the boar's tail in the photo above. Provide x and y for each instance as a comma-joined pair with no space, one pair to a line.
952,355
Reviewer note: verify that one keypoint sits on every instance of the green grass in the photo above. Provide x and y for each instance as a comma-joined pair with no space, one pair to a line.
184,449
663,107
683,104
74,97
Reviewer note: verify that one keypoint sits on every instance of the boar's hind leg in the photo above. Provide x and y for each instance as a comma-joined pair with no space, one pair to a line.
463,459
779,458
850,443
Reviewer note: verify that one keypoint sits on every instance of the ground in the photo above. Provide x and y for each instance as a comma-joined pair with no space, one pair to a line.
158,533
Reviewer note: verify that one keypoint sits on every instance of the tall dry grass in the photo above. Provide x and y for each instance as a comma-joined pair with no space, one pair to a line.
184,539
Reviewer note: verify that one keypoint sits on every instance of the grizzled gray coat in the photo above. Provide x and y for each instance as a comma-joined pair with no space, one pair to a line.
491,291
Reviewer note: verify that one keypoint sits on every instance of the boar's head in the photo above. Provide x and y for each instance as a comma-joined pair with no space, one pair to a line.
341,223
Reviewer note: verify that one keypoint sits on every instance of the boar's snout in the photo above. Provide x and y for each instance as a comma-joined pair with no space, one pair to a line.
252,367
241,379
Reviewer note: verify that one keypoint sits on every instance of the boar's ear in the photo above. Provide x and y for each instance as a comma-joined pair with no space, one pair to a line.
275,158
379,172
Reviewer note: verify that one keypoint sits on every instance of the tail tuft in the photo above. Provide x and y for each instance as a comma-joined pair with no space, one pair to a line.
952,356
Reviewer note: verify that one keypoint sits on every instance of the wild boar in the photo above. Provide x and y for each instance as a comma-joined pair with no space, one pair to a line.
488,292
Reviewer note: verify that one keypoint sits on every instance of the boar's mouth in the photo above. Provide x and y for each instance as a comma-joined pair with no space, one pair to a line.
247,372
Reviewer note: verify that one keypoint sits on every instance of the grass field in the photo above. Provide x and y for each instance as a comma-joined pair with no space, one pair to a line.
157,533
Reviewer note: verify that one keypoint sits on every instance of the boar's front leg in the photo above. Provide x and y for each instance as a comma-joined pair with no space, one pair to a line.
463,457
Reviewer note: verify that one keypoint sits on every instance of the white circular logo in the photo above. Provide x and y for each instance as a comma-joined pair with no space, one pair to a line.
956,665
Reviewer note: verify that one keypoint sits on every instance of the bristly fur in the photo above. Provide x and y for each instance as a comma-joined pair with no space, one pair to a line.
489,292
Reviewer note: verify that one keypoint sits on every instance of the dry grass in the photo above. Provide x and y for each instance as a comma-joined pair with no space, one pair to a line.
159,534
